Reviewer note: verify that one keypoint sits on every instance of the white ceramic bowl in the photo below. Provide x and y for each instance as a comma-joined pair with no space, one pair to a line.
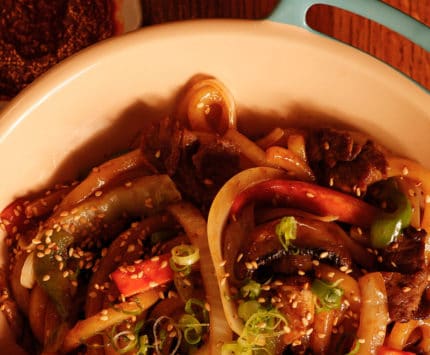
92,104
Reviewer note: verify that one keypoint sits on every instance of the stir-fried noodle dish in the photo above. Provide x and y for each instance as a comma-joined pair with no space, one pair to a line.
203,240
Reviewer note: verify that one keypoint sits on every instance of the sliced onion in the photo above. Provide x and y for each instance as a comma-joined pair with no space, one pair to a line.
373,313
194,225
290,161
28,276
248,148
207,105
217,219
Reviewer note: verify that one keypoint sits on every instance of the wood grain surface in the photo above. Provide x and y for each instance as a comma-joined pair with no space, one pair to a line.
349,28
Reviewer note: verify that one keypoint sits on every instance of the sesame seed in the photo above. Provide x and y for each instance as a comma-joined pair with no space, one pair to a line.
324,254
301,273
92,294
331,182
46,278
239,257
155,258
294,305
40,254
406,289
358,192
381,333
155,284
379,259
315,262
172,334
405,170
58,257
321,335
361,340
222,263
207,306
261,300
326,145
310,195
98,193
343,268
172,294
104,318
36,241
427,198
128,184
305,322
254,264
131,248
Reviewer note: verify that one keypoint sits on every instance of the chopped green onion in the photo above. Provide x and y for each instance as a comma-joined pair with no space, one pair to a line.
185,254
286,230
184,269
259,331
329,296
247,309
143,345
251,290
201,310
127,337
192,329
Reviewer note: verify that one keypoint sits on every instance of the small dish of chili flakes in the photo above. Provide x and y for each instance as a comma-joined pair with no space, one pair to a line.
37,34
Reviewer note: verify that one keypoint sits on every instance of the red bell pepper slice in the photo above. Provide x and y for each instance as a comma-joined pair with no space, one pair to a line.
384,350
144,275
309,197
13,216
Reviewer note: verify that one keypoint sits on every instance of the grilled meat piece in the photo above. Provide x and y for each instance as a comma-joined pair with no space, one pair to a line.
314,240
343,161
405,293
198,165
407,254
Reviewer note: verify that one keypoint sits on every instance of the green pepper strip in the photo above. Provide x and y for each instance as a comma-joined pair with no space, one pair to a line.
388,226
144,196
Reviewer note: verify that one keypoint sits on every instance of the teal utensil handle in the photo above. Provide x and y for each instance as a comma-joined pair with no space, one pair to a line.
294,12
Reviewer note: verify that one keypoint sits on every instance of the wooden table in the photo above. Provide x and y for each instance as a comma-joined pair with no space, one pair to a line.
359,32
